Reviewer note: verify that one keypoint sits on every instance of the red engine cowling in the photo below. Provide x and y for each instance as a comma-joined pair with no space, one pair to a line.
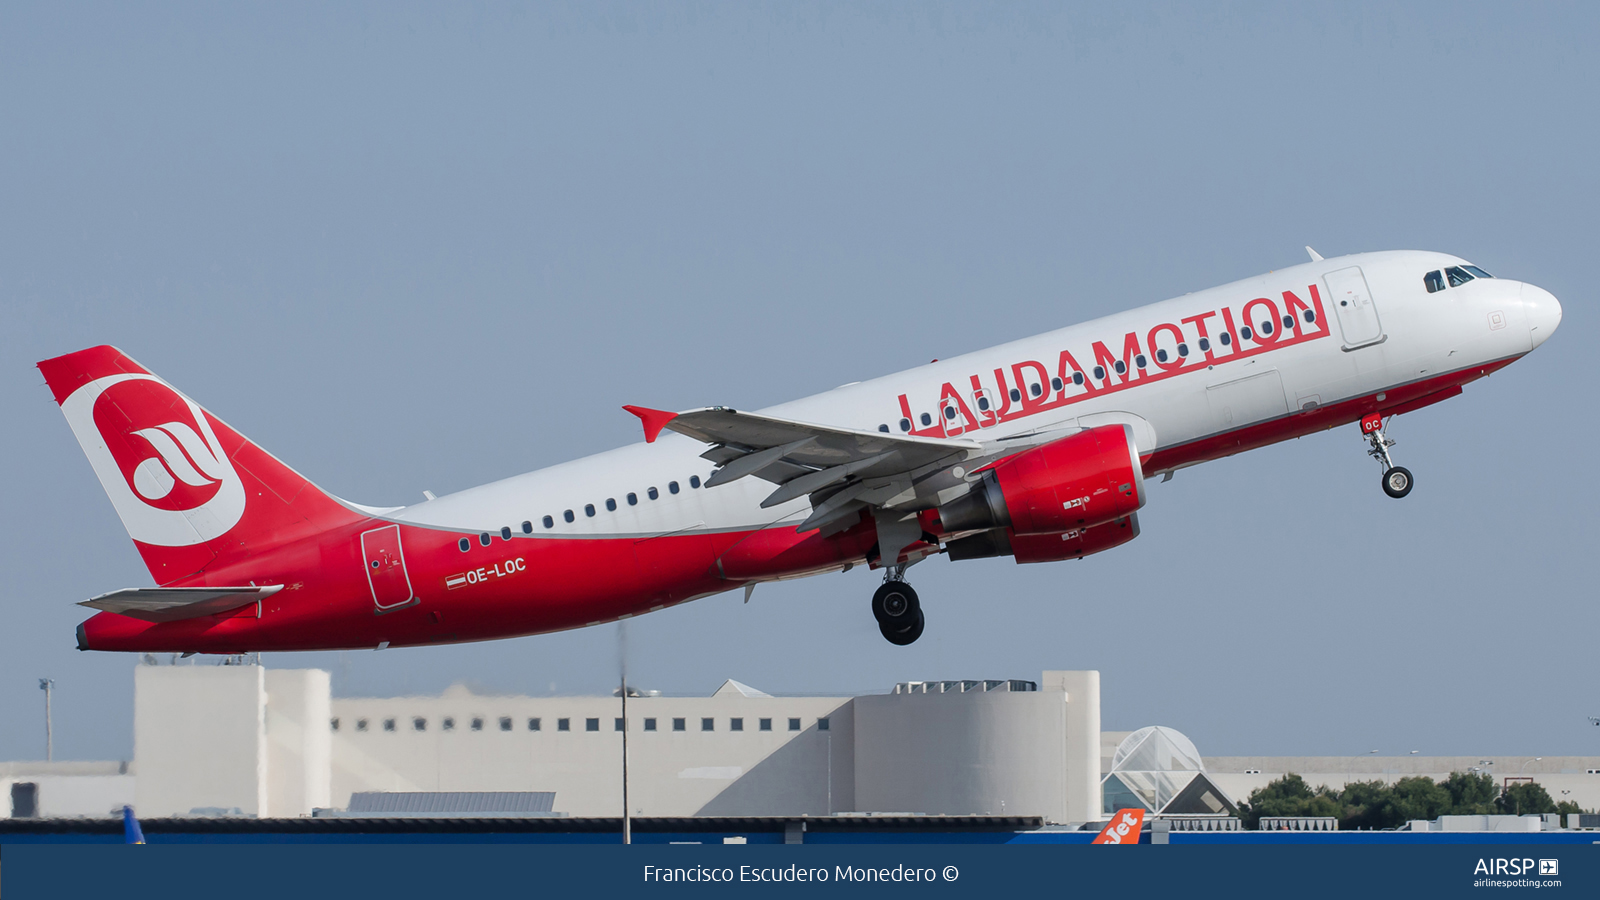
1033,548
1078,482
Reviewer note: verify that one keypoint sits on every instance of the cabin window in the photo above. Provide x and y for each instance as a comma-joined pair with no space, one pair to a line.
1056,384
1288,321
1434,281
1077,378
568,516
905,424
1120,366
1266,327
1161,355
1226,339
464,544
1016,396
1310,316
1183,349
949,412
1035,389
505,533
672,487
1205,345
1100,372
549,522
611,504
884,428
926,420
527,528
1139,361
694,480
1245,332
633,499
983,404
588,510
484,539
653,494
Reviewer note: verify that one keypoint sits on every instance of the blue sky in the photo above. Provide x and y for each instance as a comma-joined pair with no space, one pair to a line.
428,246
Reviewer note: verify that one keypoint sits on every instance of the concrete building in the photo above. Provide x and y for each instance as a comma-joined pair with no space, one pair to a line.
249,741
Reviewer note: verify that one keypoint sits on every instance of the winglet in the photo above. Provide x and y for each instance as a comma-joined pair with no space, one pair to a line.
1315,256
654,420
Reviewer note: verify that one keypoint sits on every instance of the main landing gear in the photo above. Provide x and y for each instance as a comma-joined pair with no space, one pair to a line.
1396,479
897,609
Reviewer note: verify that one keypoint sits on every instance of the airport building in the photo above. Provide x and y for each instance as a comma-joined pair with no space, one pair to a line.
244,740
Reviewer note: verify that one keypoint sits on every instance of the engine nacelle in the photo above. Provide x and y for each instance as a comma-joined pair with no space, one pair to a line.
1078,482
1032,548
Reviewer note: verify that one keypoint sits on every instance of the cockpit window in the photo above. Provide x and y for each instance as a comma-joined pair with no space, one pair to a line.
1434,280
1477,271
1457,275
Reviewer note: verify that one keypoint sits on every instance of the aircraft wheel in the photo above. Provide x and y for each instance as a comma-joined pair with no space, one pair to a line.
1397,482
900,637
895,604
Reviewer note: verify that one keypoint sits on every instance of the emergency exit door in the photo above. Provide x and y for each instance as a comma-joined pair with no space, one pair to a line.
386,568
1353,307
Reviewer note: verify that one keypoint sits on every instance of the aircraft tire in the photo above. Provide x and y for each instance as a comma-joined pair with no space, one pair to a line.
901,637
1397,482
895,604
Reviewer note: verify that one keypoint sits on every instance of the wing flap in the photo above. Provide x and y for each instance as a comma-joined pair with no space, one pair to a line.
175,604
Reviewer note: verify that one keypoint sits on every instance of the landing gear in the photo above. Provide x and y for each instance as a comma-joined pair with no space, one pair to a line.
897,609
1397,480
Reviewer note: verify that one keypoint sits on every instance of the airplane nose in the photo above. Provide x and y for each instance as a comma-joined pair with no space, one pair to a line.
1543,312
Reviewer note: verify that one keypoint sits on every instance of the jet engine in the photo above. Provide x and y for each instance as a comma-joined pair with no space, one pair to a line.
1076,483
1032,548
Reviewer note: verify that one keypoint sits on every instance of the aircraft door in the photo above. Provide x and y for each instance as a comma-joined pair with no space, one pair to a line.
1353,306
386,568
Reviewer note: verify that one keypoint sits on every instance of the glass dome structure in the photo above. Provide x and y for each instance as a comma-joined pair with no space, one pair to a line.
1159,770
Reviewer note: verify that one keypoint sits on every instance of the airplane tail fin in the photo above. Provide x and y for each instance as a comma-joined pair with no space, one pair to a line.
1122,829
193,493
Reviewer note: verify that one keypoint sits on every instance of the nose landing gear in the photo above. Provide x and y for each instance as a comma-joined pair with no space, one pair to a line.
897,609
1397,480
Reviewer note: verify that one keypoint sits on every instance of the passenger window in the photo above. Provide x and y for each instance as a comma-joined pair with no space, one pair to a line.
611,504
567,515
1266,327
484,539
884,428
1035,389
1226,339
672,487
1434,281
1457,275
905,424
1310,316
1205,345
1055,384
633,499
1288,321
1183,349
1100,372
465,545
653,494
694,480
1120,366
549,522
983,404
1245,332
926,420
1477,271
527,528
1140,361
949,412
588,510
1016,396
1161,356
505,533
1077,378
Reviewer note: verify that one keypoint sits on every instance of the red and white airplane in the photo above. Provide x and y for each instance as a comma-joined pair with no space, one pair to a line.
1037,449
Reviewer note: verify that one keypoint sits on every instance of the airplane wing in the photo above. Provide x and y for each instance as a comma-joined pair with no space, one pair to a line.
842,470
173,604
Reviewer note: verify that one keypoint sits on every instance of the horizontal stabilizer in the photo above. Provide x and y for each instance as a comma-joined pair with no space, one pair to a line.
173,604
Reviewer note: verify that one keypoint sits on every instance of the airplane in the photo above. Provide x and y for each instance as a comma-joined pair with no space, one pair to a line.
1038,449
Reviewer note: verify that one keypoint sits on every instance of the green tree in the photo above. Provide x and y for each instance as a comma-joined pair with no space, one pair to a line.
1287,796
1471,795
1419,797
1367,804
1525,798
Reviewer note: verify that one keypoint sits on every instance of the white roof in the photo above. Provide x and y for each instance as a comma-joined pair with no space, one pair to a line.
731,687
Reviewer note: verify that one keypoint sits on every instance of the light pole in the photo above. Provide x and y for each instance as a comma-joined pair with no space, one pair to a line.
48,686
